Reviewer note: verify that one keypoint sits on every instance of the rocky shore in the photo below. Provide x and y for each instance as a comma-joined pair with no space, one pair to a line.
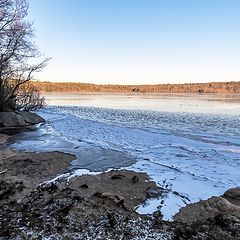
19,119
98,206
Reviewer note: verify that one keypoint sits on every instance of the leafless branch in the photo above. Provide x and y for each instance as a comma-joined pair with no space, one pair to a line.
17,51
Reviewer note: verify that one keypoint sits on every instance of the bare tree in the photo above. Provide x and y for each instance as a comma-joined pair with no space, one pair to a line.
18,53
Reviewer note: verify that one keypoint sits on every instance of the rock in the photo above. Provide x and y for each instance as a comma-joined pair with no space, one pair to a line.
31,118
214,218
206,209
181,195
117,176
153,192
84,186
19,119
10,119
233,193
135,179
220,204
117,199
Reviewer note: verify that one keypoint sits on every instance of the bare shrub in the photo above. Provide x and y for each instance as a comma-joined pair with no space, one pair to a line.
29,98
17,54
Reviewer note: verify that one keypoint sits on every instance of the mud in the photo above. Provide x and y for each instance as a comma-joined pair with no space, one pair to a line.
101,206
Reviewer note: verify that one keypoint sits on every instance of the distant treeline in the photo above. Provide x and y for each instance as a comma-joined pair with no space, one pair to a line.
213,87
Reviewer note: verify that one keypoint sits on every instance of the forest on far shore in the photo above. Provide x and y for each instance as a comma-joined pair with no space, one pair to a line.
212,87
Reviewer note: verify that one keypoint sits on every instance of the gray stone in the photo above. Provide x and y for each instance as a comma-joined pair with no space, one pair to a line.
19,119
31,118
205,209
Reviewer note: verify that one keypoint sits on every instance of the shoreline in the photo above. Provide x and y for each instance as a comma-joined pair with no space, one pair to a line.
25,180
179,94
209,87
101,205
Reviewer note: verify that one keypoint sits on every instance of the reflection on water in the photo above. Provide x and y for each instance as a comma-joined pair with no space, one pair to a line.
198,103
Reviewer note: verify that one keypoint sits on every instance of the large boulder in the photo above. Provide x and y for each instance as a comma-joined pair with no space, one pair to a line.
215,218
19,119
233,194
228,204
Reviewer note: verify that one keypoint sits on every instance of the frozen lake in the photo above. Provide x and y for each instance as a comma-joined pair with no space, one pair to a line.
203,103
189,144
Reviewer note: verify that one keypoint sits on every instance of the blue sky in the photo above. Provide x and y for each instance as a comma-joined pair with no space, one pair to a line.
138,41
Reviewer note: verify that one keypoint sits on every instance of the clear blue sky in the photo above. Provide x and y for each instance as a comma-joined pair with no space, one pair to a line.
138,41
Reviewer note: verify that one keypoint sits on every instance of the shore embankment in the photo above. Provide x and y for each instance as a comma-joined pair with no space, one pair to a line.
84,206
33,206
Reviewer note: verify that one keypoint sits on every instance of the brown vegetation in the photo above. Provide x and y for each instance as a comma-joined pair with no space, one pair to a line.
213,87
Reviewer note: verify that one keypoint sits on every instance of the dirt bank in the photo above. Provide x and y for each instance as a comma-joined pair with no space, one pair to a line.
98,206
82,207
27,170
